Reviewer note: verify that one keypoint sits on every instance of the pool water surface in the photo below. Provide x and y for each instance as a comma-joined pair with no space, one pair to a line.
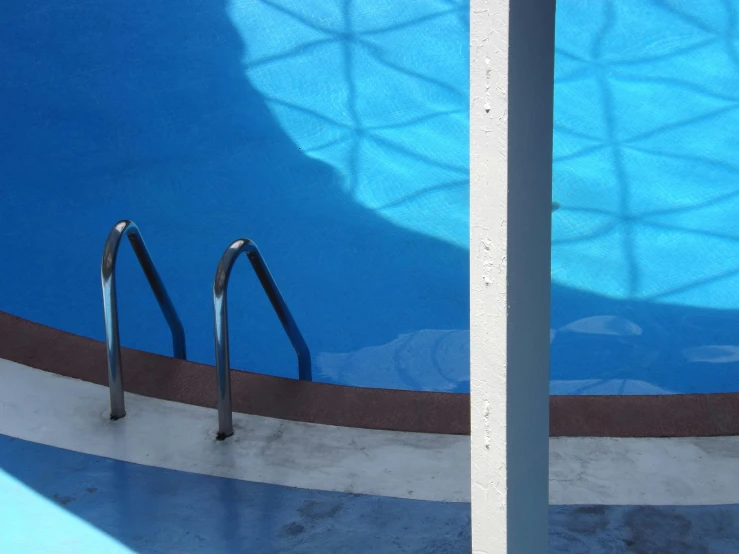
335,135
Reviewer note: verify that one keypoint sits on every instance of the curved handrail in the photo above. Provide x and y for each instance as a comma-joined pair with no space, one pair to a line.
220,309
110,307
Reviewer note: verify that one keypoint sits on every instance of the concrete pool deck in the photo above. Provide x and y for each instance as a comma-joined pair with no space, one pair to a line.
158,478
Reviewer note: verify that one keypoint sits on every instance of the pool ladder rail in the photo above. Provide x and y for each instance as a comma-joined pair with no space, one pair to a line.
220,311
127,228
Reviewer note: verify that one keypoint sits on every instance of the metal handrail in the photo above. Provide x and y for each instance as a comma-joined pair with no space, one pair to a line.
110,307
220,309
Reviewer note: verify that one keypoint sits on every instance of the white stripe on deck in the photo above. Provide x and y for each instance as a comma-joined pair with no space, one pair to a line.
67,413
665,471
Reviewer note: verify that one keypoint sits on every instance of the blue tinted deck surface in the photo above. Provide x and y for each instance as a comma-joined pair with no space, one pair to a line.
72,503
334,134
152,510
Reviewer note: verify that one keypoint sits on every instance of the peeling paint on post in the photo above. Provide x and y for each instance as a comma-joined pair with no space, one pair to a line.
511,92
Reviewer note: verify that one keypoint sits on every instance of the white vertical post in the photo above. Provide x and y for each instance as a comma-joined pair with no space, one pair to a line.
511,92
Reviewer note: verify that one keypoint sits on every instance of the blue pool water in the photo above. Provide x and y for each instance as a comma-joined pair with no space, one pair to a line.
334,134
645,249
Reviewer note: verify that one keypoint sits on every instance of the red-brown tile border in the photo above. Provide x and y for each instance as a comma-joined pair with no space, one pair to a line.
56,351
673,415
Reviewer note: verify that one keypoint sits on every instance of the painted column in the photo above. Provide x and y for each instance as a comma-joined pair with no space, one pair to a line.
511,91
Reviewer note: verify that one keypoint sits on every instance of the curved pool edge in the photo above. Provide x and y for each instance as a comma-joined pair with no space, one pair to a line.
155,376
152,375
279,486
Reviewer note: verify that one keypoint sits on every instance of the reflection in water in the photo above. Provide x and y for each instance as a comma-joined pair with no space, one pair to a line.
603,325
712,354
605,386
427,360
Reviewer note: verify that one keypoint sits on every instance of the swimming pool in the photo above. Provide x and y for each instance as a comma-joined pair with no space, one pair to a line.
203,124
645,248
335,136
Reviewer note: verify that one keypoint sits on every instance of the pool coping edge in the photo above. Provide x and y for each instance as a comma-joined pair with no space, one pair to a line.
155,376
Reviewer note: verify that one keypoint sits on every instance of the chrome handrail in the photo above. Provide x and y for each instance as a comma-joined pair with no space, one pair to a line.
220,309
110,307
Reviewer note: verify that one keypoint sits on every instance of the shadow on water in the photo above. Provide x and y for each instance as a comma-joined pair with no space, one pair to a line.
645,251
146,112
115,111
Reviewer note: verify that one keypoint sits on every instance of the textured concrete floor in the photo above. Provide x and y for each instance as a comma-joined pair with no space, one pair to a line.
644,529
151,510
